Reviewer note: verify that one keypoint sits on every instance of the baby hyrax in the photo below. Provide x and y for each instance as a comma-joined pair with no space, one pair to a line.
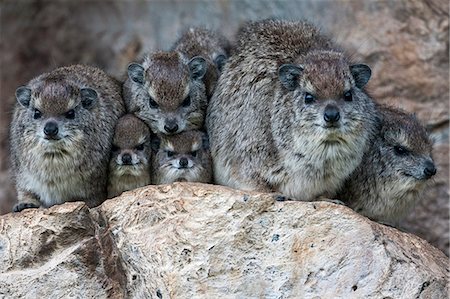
289,113
182,157
167,92
209,44
395,170
61,136
129,167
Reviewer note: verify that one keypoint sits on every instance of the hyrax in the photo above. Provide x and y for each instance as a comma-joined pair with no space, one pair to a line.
209,44
395,170
183,157
167,92
129,167
61,136
289,113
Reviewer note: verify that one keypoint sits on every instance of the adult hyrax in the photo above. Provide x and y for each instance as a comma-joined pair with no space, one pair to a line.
61,136
289,113
209,44
395,170
167,92
129,167
183,157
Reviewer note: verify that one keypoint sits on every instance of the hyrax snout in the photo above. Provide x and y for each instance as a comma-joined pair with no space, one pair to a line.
129,167
167,92
182,157
61,136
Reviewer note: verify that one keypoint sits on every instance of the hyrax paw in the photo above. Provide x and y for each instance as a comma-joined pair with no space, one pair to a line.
24,205
280,197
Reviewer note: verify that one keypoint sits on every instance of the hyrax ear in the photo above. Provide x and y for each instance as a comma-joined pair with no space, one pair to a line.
136,73
288,74
220,62
361,73
197,67
88,97
23,96
205,141
155,143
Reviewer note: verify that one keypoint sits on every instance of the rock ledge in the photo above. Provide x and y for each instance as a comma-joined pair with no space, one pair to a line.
203,241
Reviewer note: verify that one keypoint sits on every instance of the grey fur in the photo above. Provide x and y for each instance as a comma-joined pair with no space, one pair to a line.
132,138
387,184
167,84
171,149
264,136
209,44
74,167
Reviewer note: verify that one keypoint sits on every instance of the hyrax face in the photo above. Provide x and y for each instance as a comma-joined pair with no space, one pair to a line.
59,115
131,147
406,152
182,157
169,93
329,106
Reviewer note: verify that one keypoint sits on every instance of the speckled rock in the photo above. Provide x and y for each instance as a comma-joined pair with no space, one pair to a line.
203,241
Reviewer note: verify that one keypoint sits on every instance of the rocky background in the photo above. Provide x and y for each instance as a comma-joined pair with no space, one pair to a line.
405,42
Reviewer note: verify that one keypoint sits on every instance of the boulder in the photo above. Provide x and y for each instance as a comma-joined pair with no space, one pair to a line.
203,241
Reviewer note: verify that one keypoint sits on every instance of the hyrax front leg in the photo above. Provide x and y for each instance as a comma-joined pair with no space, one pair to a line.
26,200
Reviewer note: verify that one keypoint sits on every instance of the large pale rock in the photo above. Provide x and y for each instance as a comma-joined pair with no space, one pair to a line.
57,253
203,241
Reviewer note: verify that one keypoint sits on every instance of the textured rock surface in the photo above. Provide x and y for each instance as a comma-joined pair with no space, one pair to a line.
203,241
405,42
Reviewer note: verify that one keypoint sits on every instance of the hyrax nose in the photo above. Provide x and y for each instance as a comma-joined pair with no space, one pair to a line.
331,114
126,159
51,129
171,126
183,162
429,170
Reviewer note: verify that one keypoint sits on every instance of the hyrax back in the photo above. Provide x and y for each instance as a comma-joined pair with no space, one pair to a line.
209,44
129,167
182,157
395,170
61,136
289,113
167,92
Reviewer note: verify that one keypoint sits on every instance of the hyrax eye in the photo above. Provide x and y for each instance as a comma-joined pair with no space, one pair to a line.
70,114
153,103
114,148
170,154
348,96
140,147
37,114
194,154
186,102
400,150
309,98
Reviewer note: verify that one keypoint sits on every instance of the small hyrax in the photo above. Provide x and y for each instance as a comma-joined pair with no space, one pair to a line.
183,157
289,113
209,44
61,136
395,170
129,167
